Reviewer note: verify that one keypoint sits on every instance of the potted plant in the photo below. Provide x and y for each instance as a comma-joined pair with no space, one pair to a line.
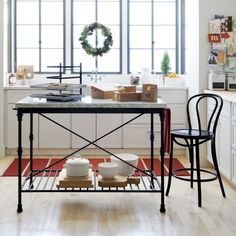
165,65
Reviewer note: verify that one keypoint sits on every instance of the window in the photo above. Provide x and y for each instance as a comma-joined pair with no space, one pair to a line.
46,33
107,13
153,29
39,34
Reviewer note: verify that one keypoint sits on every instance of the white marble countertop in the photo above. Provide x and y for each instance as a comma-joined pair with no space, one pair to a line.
87,102
27,87
226,95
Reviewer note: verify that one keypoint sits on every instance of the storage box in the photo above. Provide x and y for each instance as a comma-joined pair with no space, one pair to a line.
149,93
127,89
102,92
216,81
231,81
126,97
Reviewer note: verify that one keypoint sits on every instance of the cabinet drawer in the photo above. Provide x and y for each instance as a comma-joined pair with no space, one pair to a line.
12,129
173,96
225,110
14,96
144,119
178,116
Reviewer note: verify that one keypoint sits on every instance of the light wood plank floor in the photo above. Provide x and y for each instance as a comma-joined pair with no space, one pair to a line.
117,214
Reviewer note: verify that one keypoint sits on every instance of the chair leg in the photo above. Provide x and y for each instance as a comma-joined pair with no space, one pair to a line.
198,174
214,158
191,157
170,166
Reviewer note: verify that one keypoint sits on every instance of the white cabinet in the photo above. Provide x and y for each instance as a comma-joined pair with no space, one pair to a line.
11,127
223,139
91,126
137,133
46,134
224,146
84,125
106,123
233,146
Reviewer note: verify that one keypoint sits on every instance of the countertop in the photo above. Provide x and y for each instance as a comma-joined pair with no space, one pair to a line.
226,95
87,102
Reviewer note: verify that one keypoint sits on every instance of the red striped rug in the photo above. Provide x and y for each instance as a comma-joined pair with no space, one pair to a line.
41,163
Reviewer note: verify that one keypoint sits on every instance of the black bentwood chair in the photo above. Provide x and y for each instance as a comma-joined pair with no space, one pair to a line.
193,138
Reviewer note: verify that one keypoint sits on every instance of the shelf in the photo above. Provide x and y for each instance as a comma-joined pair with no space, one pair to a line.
47,180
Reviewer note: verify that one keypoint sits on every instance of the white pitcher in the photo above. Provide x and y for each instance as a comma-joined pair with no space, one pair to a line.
145,75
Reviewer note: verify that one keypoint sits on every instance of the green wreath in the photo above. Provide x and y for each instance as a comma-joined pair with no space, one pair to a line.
87,31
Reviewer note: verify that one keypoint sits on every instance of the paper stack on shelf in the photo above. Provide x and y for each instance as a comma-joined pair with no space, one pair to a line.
59,86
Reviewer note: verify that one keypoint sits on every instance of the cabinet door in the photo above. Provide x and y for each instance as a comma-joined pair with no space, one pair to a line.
51,135
233,169
233,148
171,96
217,140
225,147
105,123
138,136
84,125
12,129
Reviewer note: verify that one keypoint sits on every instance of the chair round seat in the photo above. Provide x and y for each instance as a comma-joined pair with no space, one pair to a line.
194,134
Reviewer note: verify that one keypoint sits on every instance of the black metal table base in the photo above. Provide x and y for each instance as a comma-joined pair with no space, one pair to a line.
31,184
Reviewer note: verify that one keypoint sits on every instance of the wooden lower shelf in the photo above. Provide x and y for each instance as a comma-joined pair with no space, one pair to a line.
65,181
118,181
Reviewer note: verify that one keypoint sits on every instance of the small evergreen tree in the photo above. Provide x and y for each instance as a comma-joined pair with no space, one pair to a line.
165,64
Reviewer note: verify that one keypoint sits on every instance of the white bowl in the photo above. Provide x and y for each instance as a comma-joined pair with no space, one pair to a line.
123,168
77,167
107,169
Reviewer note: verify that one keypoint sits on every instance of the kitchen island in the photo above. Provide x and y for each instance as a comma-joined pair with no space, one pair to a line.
42,107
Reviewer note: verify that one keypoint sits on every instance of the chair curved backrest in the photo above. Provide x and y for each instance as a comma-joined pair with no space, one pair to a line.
199,99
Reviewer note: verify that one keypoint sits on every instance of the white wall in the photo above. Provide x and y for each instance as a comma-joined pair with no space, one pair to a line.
198,13
2,73
192,45
207,10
